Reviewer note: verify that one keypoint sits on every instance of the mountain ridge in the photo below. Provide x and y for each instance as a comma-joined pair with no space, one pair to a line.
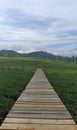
8,53
37,54
40,54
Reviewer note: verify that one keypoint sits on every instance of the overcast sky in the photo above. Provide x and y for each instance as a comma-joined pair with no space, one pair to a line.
33,25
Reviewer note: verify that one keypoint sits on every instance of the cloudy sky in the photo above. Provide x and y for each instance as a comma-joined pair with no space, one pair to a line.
33,25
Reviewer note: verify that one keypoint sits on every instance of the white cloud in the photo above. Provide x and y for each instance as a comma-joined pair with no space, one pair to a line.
34,24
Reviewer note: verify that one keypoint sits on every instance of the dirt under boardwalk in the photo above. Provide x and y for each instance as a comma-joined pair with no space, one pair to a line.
39,108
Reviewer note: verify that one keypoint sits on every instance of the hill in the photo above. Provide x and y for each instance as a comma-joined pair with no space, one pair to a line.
38,54
9,53
41,54
46,55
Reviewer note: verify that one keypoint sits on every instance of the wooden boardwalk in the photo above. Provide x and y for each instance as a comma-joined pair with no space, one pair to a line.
38,108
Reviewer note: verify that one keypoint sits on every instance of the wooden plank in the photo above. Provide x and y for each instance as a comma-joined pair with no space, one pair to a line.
38,87
37,127
37,98
38,102
39,106
39,109
37,121
40,115
39,90
53,100
38,112
39,94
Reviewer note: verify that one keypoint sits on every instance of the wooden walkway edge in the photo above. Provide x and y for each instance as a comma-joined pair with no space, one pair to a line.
39,108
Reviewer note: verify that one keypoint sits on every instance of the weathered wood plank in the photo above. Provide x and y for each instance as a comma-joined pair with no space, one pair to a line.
39,95
38,109
38,102
37,127
39,106
39,90
38,98
38,112
40,115
38,121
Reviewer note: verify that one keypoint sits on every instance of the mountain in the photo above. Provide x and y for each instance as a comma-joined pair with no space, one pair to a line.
9,53
41,54
46,55
38,54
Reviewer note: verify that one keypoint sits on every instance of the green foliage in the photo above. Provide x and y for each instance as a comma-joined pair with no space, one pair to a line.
65,84
5,105
12,83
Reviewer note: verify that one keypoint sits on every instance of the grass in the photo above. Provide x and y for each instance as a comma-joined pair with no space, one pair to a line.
12,83
65,84
62,75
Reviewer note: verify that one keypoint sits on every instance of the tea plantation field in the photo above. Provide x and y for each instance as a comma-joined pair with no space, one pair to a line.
16,72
